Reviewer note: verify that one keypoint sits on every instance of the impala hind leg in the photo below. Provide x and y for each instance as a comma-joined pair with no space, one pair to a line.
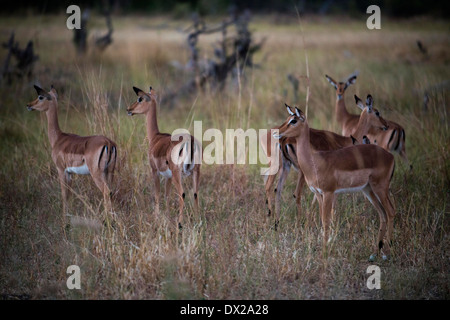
372,197
298,193
388,209
100,180
168,188
196,182
268,189
110,170
176,178
281,181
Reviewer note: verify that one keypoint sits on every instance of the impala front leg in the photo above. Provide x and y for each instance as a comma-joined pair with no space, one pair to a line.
179,189
389,214
156,181
64,180
282,179
327,202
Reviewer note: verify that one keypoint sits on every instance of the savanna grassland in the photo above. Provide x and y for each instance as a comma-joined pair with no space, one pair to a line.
228,250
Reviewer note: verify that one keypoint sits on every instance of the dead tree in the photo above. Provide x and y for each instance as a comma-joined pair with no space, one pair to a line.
80,35
293,79
231,56
25,59
104,41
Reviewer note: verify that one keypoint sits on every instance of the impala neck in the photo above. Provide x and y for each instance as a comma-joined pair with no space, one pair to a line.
341,110
361,130
53,126
152,123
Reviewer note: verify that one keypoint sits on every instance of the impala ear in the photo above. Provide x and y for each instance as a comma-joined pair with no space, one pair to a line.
41,92
369,102
138,91
359,102
289,110
352,78
330,80
53,91
300,114
152,93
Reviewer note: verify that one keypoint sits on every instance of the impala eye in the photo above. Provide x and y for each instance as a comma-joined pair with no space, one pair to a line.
377,114
293,121
139,99
41,98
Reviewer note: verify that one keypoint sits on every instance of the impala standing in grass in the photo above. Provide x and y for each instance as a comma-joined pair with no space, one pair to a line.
321,140
392,138
170,156
347,120
73,154
367,168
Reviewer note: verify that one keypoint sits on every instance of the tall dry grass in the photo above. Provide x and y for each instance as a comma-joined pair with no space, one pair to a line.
229,250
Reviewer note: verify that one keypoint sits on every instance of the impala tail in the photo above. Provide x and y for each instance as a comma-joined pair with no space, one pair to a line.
191,148
396,140
108,157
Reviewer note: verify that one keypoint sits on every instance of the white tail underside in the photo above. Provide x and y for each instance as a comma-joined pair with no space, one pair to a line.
78,170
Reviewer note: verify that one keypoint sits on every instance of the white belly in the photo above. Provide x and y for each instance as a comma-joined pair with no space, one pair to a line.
315,190
343,190
350,190
166,174
78,170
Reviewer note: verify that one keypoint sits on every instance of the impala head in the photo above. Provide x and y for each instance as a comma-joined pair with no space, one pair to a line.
293,125
44,100
370,115
143,103
342,86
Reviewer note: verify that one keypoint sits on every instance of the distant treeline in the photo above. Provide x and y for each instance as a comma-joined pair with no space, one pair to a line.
393,8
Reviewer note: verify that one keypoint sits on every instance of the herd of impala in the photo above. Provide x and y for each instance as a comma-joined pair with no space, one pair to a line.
358,160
